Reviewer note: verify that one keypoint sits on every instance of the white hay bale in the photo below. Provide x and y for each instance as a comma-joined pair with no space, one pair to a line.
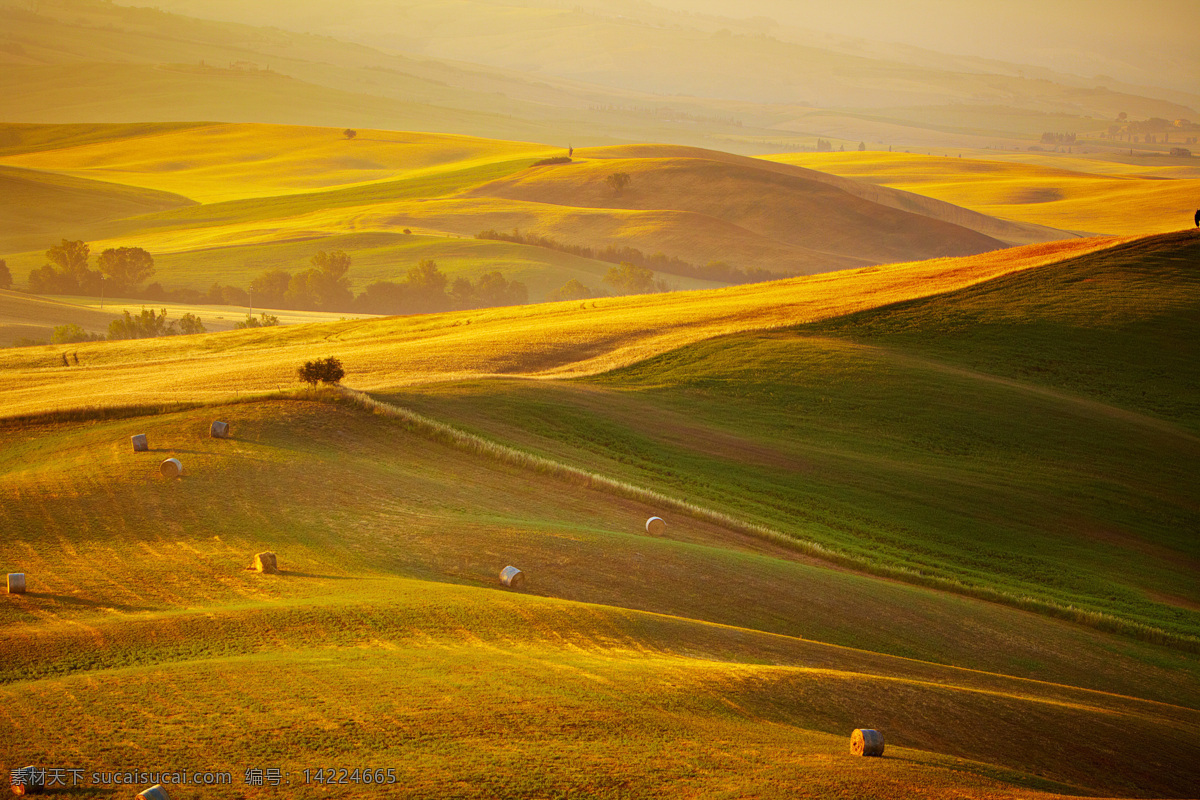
16,583
265,563
511,576
155,792
866,742
655,526
171,468
219,430
28,780
140,443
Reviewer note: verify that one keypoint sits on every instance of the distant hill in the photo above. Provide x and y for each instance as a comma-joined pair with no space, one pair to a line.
828,223
1138,199
517,71
225,202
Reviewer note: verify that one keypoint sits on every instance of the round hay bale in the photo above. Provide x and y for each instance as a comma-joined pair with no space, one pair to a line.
655,526
28,780
866,742
16,583
155,792
511,576
219,430
140,443
171,468
266,563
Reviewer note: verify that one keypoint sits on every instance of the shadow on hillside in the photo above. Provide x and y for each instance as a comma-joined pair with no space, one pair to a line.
287,573
1001,773
69,600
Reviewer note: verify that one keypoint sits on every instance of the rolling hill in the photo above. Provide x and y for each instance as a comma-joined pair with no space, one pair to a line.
1147,200
226,202
550,340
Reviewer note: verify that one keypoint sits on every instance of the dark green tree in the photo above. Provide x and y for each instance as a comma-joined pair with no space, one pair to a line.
427,287
618,182
126,266
67,272
323,370
632,279
571,290
270,288
145,325
190,323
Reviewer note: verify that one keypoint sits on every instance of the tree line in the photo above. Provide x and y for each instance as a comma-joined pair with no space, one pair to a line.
324,286
713,271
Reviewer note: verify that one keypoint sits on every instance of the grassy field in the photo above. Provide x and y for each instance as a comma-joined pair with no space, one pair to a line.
629,668
1075,194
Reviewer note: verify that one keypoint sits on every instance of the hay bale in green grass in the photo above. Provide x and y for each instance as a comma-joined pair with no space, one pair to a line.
28,780
171,468
266,564
140,443
512,577
866,742
655,526
155,792
16,583
219,430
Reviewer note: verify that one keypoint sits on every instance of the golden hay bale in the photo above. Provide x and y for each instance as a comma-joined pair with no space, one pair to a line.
511,576
28,780
16,583
655,526
140,443
155,792
219,430
171,468
266,564
866,742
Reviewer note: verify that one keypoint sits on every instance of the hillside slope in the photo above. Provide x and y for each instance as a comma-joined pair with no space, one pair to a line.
140,603
928,433
550,340
784,208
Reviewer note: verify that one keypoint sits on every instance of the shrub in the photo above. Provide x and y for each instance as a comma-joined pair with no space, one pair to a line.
265,321
190,323
323,370
71,333
145,325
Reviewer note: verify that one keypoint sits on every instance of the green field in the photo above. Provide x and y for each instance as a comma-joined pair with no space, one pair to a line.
1005,437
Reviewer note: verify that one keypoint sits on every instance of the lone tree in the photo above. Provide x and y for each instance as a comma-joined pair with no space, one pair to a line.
350,133
323,370
5,275
617,182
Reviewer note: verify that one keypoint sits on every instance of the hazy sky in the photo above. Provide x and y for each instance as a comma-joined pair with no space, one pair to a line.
1128,38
